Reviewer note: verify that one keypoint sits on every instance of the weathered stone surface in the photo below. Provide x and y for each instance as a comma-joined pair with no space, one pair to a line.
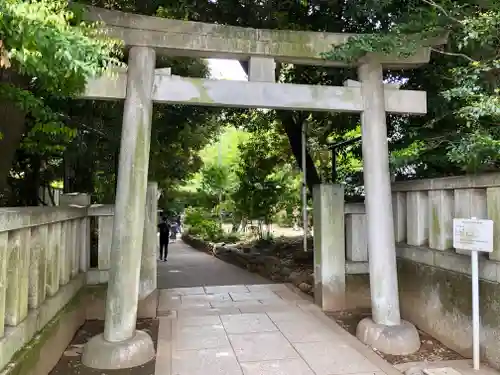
4,256
105,224
128,228
38,266
261,69
16,307
225,93
13,218
197,39
36,320
399,339
438,301
101,354
378,200
54,258
329,247
445,183
356,238
147,283
470,203
417,218
399,212
64,264
440,219
493,203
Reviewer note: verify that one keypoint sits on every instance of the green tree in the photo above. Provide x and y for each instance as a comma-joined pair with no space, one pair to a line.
461,129
261,186
45,52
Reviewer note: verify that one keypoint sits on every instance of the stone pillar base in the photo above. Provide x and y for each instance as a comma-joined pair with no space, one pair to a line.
402,339
105,355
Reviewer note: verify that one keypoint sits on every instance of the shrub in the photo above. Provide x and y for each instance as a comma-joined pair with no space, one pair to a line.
202,225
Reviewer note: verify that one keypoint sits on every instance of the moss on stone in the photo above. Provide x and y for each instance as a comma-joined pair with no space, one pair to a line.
25,360
454,290
203,95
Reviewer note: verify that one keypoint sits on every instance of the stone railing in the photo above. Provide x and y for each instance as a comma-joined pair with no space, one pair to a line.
356,245
43,253
45,259
102,217
424,209
423,222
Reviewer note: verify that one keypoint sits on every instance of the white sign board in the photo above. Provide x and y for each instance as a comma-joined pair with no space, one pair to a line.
473,234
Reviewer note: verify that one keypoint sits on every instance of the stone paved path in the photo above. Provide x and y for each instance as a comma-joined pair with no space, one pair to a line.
252,329
188,267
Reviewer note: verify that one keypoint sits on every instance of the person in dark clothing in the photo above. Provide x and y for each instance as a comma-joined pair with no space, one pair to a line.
178,221
164,229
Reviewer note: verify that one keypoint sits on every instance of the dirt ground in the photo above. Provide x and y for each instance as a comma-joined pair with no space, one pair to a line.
70,362
431,349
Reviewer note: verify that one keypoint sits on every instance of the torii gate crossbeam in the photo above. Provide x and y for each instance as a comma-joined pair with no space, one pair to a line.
241,94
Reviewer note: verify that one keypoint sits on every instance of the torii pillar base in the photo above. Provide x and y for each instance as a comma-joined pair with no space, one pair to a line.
105,355
401,339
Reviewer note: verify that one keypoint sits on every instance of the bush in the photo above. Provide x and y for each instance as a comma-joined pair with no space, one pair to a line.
283,219
202,225
230,238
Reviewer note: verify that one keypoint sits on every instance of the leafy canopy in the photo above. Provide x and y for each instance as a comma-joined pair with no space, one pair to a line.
45,40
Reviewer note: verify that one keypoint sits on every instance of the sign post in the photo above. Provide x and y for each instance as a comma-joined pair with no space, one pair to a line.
474,235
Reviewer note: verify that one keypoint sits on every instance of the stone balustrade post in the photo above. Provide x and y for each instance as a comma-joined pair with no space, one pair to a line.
329,247
81,229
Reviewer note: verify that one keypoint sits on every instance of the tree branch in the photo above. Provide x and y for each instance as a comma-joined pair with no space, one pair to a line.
456,54
432,3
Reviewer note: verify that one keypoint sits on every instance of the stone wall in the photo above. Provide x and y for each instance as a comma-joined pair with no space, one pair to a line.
44,269
42,353
439,302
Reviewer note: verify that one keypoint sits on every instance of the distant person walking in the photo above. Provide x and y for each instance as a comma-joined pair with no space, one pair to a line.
164,229
179,222
173,230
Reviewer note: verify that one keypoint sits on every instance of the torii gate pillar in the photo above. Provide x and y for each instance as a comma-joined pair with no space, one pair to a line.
385,330
121,345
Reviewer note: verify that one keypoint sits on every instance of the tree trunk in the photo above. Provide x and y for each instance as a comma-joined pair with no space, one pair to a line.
293,130
294,133
12,129
33,181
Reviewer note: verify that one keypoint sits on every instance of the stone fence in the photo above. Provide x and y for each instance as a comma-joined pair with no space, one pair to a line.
45,259
102,219
43,254
434,278
423,219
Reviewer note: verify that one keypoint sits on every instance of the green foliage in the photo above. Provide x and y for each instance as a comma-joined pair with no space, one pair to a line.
462,81
214,182
261,185
45,40
477,151
201,224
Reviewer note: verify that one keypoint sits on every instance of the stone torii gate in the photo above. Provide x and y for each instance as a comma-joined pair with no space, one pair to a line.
141,84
